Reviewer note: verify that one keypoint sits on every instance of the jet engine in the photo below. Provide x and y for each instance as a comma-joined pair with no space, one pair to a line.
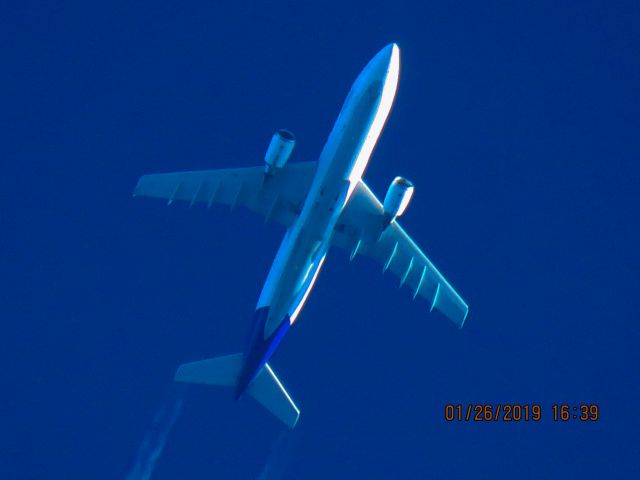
398,197
279,150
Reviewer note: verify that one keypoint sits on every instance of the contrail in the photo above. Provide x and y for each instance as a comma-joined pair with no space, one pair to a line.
155,439
280,453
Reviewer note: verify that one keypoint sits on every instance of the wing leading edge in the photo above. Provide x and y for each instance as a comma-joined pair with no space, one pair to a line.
358,230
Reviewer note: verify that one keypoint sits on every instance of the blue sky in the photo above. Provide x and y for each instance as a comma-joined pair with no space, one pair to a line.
516,121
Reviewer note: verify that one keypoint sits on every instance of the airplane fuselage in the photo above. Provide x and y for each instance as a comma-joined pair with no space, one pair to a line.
342,163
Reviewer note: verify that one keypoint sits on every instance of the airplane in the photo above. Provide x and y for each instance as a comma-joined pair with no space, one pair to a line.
322,203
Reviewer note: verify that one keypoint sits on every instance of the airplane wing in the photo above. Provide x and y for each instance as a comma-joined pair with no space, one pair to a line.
358,230
279,196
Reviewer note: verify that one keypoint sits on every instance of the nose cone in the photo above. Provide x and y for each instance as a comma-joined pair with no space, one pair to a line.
387,58
389,54
384,67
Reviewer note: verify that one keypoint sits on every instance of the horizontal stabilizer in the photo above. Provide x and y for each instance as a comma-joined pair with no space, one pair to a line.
225,371
222,371
269,392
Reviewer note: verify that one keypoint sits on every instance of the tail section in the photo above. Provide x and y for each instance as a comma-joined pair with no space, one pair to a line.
225,371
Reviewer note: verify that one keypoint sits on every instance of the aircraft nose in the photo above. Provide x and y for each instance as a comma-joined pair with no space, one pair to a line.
389,52
385,61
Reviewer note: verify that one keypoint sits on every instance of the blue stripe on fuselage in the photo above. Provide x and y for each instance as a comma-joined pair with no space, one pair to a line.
258,349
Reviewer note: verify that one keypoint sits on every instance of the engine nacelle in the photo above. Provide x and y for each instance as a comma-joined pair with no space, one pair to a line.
398,197
279,150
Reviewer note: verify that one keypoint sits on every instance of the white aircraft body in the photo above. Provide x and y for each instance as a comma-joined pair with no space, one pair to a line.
321,203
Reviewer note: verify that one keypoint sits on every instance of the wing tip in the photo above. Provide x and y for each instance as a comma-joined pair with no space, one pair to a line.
464,318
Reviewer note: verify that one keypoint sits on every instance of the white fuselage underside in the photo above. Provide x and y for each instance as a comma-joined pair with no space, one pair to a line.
342,163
